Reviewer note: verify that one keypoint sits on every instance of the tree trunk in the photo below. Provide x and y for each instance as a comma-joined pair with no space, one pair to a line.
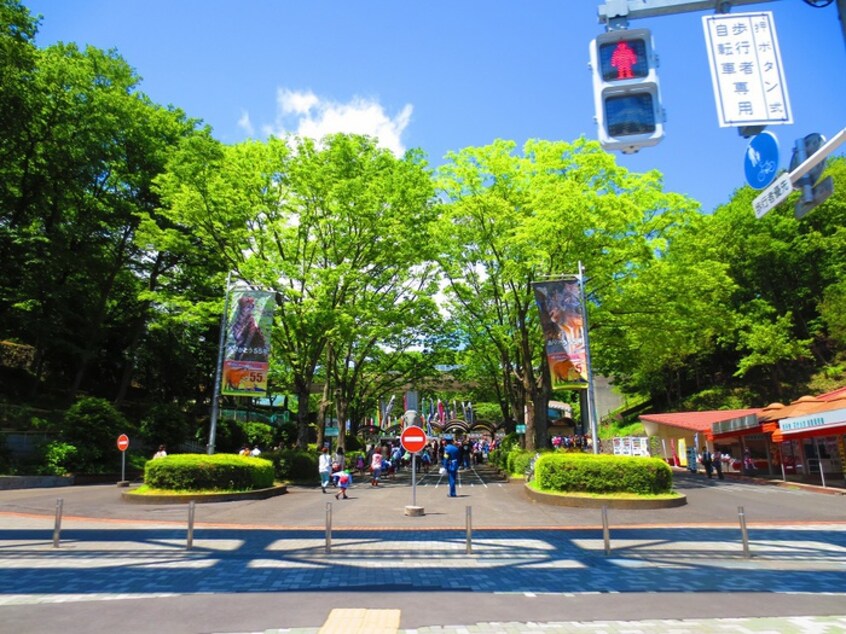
342,413
302,390
321,414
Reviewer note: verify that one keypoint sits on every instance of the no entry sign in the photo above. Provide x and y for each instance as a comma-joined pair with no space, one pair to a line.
413,439
123,442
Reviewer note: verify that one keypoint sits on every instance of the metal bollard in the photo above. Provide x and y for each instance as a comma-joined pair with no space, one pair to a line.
328,527
189,543
57,527
606,534
743,532
468,515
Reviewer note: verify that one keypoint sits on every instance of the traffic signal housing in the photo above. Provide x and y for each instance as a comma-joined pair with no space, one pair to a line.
626,93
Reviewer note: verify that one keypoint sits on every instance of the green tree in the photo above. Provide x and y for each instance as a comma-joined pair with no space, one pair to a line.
514,219
330,227
71,194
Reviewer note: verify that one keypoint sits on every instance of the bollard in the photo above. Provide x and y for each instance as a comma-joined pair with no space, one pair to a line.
57,527
469,522
189,544
328,527
606,534
743,532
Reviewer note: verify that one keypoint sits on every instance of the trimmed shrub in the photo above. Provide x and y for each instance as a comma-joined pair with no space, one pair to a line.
518,461
294,465
201,472
589,473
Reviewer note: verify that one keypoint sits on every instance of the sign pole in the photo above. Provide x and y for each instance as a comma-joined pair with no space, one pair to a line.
123,445
215,410
414,479
591,400
413,439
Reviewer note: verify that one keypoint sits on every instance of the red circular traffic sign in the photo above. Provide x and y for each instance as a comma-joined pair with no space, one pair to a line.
123,442
413,439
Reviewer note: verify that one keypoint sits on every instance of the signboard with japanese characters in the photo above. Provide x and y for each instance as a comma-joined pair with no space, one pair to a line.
773,195
749,83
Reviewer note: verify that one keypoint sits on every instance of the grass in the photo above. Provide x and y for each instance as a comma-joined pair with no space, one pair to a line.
147,490
618,495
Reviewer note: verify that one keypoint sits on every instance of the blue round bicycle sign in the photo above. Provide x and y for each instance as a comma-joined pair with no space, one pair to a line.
761,162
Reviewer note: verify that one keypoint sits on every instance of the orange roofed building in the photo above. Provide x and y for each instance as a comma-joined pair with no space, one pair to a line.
804,440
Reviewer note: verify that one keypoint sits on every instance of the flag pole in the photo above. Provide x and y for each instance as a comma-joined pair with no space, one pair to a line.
591,400
215,409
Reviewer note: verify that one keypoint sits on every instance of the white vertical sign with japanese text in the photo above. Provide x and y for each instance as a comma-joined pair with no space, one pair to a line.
749,83
773,195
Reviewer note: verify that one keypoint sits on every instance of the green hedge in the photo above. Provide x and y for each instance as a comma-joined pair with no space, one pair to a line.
590,473
294,465
201,472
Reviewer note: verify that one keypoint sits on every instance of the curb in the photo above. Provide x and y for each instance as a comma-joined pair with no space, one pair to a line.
596,503
204,498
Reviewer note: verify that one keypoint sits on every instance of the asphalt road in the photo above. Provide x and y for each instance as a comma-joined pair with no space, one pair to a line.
262,566
494,501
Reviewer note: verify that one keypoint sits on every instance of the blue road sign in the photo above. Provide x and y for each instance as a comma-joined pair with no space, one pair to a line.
761,160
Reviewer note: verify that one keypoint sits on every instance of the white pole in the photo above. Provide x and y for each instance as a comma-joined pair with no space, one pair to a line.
414,479
591,401
215,411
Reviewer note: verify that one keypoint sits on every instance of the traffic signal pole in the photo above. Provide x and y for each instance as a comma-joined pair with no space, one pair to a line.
615,13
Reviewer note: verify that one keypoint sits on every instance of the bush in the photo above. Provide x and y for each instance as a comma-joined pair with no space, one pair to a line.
589,473
201,472
164,424
519,461
92,425
60,458
260,434
294,464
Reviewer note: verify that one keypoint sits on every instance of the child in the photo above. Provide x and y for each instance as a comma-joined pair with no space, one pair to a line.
343,482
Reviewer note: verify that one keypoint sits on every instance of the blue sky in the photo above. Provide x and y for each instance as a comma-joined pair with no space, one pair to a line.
442,75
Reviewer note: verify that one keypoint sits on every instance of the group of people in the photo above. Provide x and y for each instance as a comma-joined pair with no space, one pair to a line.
712,462
248,451
386,460
573,441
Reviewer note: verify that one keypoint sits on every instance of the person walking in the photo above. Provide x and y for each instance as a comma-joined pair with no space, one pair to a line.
708,462
343,484
450,463
718,463
324,468
375,467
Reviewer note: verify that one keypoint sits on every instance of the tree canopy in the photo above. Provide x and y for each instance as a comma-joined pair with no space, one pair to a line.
120,221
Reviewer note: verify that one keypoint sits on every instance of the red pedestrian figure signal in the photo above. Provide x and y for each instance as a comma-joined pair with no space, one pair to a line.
623,59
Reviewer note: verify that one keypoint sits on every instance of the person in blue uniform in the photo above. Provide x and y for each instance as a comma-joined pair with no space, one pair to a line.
451,454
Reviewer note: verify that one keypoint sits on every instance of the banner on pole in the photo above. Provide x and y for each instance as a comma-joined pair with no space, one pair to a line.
562,320
247,348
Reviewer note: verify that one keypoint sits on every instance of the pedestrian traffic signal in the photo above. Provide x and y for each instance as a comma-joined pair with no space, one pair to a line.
629,114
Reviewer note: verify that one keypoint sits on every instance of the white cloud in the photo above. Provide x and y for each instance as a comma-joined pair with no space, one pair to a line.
245,124
291,101
307,115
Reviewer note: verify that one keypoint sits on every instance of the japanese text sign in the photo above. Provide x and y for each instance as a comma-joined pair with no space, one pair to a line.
749,83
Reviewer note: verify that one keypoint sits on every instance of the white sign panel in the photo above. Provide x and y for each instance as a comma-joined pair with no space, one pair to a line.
810,421
749,83
773,195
